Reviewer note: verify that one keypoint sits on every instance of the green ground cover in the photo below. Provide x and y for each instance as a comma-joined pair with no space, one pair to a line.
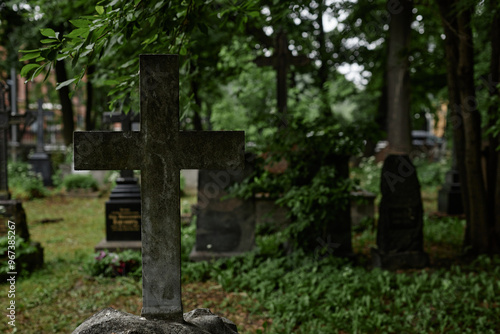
265,291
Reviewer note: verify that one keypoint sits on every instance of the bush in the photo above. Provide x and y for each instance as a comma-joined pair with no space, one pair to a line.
314,185
80,181
367,174
24,183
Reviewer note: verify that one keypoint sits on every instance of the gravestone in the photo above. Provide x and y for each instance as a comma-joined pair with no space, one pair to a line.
224,227
12,210
123,209
40,161
400,225
160,151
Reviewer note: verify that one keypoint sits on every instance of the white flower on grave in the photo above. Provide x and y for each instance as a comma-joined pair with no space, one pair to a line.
115,257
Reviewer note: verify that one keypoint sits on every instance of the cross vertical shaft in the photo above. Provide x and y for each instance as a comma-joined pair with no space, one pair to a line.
161,285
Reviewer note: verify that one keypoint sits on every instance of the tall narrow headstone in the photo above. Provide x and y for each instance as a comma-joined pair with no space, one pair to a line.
40,161
160,151
400,225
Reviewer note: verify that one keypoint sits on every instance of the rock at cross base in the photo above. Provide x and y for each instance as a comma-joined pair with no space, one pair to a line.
198,321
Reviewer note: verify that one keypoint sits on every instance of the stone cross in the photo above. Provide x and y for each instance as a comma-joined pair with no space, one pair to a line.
160,151
39,125
281,60
4,129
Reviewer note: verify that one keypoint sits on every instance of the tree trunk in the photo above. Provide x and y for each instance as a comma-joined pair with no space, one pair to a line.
449,22
323,69
472,131
66,105
398,82
493,168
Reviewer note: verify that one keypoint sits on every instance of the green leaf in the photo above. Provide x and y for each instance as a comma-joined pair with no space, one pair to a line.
183,51
65,83
38,71
80,23
27,51
99,9
48,32
48,40
28,68
30,56
80,32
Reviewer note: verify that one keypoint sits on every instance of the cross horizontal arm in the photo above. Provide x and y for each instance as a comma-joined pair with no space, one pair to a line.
107,150
212,149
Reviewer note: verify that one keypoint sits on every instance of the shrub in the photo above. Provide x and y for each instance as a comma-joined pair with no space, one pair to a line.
80,181
24,183
314,185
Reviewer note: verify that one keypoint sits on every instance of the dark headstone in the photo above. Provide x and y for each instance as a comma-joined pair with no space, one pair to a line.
160,150
198,321
400,225
224,227
450,195
123,217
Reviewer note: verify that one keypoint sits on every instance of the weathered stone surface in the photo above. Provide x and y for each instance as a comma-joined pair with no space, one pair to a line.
198,321
160,151
400,225
224,227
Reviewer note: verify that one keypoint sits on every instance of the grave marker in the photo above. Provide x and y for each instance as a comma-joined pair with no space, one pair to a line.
400,225
160,151
281,61
40,160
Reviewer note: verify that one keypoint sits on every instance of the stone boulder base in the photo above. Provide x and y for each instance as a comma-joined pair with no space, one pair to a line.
198,321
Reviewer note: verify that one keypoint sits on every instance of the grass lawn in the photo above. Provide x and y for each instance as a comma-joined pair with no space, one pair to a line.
264,291
60,296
